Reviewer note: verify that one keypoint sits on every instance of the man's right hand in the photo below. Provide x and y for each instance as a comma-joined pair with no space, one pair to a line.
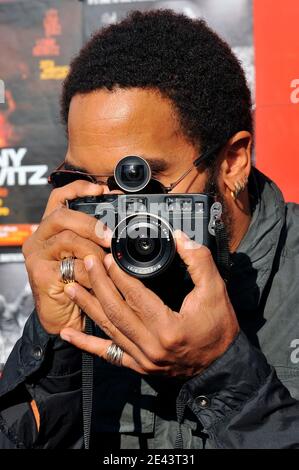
62,233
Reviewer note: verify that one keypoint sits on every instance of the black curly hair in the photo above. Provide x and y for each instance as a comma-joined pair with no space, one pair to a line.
182,58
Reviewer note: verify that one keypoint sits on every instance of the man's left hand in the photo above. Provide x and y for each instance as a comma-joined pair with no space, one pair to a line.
155,339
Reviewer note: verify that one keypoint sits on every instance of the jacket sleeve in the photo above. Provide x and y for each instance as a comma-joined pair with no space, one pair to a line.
240,402
43,368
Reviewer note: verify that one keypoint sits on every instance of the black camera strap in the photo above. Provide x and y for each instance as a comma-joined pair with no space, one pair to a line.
87,386
223,261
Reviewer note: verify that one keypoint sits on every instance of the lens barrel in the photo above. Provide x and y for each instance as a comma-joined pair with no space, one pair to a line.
132,173
143,245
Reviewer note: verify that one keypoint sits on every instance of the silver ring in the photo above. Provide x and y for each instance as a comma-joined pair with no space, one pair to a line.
67,270
114,355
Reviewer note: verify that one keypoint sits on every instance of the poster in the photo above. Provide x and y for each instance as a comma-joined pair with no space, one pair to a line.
37,42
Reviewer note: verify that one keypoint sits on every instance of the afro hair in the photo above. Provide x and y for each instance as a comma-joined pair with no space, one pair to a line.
180,57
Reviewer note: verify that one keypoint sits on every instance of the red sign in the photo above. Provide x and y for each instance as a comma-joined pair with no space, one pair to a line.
277,92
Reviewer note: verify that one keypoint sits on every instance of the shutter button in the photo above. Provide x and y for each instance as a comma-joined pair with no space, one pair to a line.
202,401
37,353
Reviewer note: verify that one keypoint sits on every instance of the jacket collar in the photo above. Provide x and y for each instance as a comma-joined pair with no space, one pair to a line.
253,260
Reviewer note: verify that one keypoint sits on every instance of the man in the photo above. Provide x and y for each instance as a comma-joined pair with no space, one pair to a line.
166,88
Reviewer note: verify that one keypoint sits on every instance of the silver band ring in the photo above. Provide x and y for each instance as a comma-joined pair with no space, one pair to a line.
114,355
67,270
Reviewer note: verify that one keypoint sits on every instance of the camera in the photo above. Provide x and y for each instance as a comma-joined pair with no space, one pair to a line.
143,226
143,221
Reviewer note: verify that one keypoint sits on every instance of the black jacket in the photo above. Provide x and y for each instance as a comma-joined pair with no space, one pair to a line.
246,399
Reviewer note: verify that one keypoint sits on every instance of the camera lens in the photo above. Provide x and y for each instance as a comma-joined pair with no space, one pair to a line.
143,249
143,245
132,173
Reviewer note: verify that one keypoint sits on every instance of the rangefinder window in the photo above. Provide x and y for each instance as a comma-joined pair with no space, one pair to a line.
132,173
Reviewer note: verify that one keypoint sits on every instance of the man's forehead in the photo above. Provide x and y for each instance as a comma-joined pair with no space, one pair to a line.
122,109
105,126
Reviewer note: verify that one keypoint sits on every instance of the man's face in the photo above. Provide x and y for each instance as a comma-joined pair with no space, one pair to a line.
105,126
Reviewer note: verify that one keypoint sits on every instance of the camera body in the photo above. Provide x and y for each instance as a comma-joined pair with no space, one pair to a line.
143,242
143,225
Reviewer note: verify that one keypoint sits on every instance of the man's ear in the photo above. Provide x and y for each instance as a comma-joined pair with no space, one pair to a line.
236,161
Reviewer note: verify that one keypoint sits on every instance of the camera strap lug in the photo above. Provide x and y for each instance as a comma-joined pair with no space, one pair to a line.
215,214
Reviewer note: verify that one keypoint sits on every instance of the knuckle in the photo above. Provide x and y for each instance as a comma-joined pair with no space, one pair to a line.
56,218
30,245
171,341
112,310
68,237
26,248
65,238
132,296
107,327
29,262
49,242
55,194
157,356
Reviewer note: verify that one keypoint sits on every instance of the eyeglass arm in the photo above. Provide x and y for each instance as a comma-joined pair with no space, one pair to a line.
198,161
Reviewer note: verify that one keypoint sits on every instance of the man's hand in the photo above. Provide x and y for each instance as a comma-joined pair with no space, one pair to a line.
155,339
62,233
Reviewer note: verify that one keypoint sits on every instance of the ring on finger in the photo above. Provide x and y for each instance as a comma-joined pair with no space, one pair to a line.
114,355
67,270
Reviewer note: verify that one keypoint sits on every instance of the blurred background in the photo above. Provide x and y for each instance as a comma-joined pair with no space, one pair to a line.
38,38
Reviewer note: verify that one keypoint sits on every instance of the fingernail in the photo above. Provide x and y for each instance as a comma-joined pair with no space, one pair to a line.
108,261
181,235
88,262
190,245
103,231
65,336
70,291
